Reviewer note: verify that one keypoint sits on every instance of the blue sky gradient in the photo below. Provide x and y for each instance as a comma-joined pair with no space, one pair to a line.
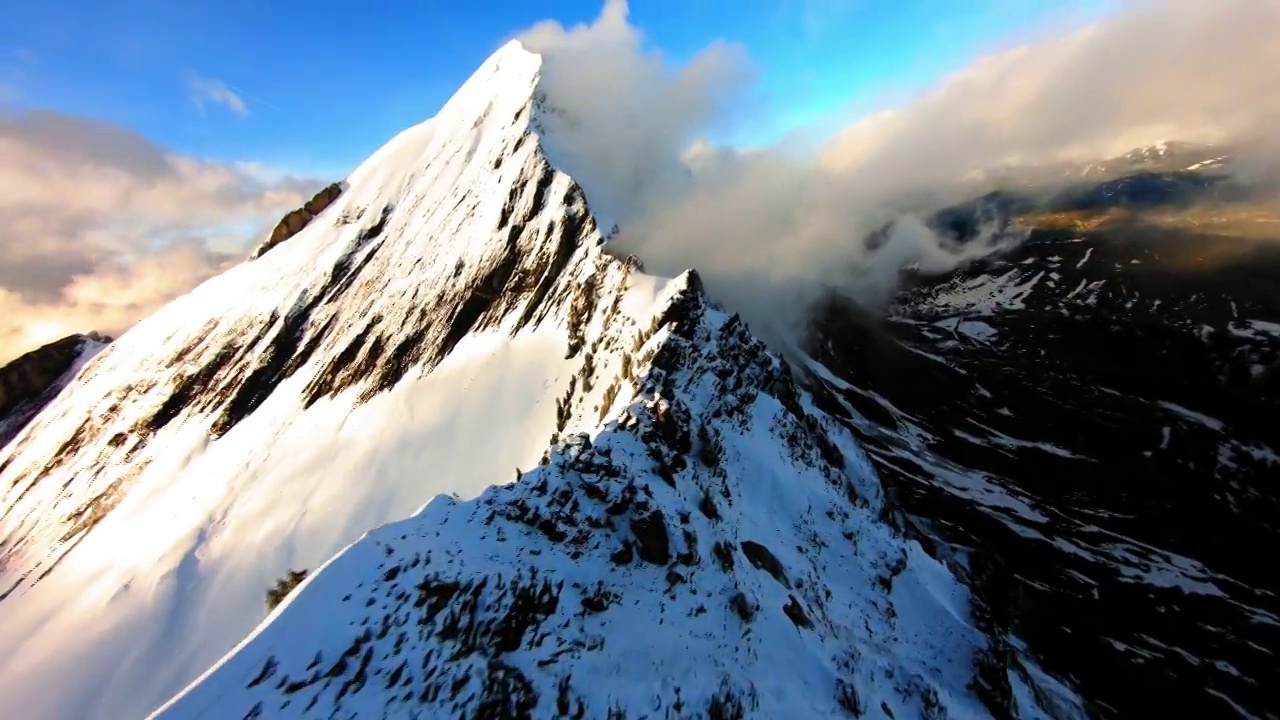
325,83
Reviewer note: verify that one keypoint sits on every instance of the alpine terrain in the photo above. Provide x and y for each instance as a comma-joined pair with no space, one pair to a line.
1088,418
30,381
514,475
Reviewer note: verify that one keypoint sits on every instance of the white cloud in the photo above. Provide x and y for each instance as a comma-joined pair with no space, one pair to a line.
208,91
99,227
1181,69
625,108
769,229
110,295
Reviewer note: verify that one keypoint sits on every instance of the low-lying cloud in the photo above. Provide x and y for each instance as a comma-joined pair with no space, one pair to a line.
770,228
101,227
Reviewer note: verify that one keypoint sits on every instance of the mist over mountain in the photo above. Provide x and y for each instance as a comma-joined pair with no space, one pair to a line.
1172,71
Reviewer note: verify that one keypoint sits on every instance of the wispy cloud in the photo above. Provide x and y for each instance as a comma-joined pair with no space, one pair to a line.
209,91
815,17
21,54
15,63
819,15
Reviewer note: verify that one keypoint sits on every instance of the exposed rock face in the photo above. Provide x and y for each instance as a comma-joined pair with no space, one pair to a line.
598,563
696,538
27,381
292,223
1087,417
31,374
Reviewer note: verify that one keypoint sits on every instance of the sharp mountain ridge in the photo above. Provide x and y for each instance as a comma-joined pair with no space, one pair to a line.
525,479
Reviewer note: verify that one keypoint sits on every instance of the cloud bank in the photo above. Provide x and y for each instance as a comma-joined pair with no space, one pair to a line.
1181,69
770,228
100,227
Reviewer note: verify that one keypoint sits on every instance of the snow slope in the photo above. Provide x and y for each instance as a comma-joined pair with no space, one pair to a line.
426,336
712,549
277,412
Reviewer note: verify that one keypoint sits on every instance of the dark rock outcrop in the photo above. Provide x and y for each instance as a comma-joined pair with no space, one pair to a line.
292,223
31,374
28,379
1087,418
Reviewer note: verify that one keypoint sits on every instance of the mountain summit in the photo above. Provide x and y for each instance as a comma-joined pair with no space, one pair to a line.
525,479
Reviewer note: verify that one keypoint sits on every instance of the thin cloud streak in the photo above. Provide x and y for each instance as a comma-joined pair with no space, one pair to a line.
208,91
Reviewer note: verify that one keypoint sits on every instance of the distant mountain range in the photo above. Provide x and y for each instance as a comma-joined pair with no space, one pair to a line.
1084,419
1165,157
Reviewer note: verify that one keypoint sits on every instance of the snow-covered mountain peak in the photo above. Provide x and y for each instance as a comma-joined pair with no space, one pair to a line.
411,340
491,102
507,459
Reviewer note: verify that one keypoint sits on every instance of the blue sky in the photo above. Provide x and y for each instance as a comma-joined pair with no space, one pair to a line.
324,83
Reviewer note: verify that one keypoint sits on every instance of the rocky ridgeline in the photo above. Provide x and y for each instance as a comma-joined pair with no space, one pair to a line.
292,223
716,510
28,379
